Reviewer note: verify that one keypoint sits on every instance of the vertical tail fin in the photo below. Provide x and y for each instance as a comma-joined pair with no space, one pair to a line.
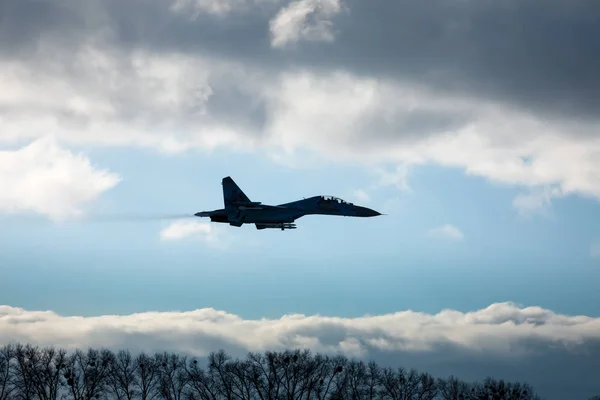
232,192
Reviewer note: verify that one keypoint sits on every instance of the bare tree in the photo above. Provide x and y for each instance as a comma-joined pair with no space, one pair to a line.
357,380
37,372
29,373
373,380
291,372
201,386
48,373
427,388
287,375
219,373
6,372
338,378
310,371
241,377
492,389
24,371
121,378
313,373
453,389
87,373
146,375
401,384
172,375
264,375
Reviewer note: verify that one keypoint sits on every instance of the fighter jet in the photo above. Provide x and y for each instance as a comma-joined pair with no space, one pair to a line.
239,209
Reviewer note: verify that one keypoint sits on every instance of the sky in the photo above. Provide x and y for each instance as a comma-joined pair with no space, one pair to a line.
472,125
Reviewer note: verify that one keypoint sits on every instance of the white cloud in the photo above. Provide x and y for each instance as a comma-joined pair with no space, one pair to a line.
503,329
117,98
110,97
447,231
46,179
205,231
362,196
536,201
374,121
215,7
304,20
193,8
397,177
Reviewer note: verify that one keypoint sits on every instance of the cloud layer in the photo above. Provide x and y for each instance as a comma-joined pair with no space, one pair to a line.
293,22
502,334
207,233
500,330
447,232
394,82
44,178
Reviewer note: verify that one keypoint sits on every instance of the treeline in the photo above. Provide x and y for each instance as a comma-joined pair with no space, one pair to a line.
28,372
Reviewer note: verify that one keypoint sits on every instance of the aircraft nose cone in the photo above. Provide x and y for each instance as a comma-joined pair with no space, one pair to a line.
366,212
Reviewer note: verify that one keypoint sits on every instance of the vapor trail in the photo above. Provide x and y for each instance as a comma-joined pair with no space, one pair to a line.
92,218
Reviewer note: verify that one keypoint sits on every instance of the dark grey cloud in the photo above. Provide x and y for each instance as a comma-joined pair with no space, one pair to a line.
542,55
24,23
492,82
537,54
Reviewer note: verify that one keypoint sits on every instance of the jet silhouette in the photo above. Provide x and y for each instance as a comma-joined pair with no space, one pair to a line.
239,209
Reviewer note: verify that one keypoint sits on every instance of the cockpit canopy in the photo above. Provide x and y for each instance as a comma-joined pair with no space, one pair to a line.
334,199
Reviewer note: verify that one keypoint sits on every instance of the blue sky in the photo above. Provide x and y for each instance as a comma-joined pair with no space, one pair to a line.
332,266
478,141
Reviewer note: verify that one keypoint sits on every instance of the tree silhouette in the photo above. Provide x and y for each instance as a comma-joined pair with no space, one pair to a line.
172,375
146,376
28,372
453,389
87,374
122,378
6,373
